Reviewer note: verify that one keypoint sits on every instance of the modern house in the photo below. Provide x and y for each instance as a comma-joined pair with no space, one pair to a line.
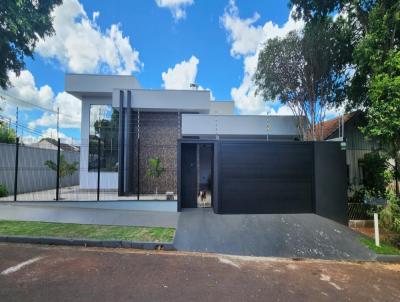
211,156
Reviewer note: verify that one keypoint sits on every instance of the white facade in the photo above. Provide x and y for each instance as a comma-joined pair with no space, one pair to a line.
239,125
200,115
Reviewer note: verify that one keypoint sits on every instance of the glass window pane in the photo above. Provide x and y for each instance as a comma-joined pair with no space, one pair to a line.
103,125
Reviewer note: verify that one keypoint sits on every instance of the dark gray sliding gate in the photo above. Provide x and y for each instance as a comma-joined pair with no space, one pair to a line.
266,177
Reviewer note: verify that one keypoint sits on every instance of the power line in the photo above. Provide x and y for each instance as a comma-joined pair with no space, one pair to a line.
30,104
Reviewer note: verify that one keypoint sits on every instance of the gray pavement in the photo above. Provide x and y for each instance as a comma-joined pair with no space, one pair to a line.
49,213
39,273
289,235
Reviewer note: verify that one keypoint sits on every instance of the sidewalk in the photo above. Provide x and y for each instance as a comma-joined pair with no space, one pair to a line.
70,214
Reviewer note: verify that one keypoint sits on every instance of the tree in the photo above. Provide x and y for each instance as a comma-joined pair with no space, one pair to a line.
66,169
7,134
156,170
304,72
23,23
384,112
375,178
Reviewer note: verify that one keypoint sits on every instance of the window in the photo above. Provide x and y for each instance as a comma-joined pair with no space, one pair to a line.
104,127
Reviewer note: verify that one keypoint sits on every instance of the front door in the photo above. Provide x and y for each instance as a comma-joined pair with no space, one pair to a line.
189,176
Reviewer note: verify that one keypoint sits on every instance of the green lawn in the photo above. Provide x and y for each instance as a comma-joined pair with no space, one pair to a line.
384,249
86,231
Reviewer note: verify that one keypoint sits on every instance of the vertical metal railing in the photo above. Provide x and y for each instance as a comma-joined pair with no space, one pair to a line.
58,169
98,167
16,168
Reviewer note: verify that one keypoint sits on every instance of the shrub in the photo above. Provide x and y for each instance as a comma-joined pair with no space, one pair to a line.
3,191
356,195
376,177
389,215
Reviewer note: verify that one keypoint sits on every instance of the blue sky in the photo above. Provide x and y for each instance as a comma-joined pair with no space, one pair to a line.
164,43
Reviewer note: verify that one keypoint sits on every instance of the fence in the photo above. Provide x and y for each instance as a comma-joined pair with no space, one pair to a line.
88,162
41,173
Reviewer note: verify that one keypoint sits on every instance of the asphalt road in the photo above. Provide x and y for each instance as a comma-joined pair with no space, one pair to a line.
41,273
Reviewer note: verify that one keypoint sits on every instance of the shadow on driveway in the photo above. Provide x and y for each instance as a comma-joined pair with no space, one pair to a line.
273,235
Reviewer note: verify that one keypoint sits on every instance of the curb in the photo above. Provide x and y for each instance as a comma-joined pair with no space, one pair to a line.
387,258
90,243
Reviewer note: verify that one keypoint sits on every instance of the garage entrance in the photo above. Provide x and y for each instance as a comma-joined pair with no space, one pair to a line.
266,177
263,177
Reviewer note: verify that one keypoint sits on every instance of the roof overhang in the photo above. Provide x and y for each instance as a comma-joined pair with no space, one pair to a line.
81,85
195,101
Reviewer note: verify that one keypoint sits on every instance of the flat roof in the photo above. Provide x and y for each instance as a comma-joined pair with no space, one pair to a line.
80,85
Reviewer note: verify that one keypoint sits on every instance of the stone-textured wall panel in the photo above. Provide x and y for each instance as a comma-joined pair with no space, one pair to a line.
158,133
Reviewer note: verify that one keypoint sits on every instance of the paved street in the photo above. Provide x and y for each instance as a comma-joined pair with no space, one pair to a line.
41,273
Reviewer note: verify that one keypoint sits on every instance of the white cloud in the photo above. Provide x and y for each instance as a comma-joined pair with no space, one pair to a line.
48,133
244,36
246,40
24,89
182,75
177,7
25,94
80,46
282,110
70,113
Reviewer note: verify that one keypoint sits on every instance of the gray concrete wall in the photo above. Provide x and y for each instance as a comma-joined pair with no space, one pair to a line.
33,175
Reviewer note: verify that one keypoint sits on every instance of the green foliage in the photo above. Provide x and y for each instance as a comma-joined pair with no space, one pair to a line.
375,59
306,70
66,169
357,195
7,135
389,215
23,23
383,249
155,169
373,51
375,178
3,191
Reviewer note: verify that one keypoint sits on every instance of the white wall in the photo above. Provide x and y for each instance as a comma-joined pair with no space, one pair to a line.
203,124
89,84
167,100
88,180
222,107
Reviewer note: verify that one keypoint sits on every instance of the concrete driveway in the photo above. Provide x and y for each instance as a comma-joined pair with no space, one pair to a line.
289,235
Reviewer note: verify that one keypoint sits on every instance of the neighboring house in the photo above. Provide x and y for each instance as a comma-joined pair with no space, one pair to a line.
50,143
245,163
346,128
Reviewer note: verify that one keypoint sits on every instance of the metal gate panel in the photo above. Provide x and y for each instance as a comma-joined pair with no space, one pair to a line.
266,177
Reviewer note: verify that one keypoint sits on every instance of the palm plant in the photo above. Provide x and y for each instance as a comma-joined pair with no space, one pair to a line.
155,170
66,169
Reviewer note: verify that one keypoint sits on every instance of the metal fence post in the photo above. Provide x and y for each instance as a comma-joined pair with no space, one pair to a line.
16,168
58,171
98,168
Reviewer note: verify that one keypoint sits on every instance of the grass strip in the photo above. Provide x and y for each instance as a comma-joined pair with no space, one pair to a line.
384,249
86,231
